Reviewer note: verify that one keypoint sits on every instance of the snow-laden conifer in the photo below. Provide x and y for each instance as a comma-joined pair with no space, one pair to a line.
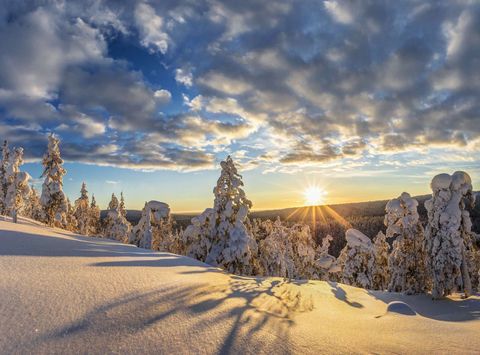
219,235
116,225
407,262
154,229
380,272
33,207
449,239
94,227
17,184
357,259
53,199
82,211
121,205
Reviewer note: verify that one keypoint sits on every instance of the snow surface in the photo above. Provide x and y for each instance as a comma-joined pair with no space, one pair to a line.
63,293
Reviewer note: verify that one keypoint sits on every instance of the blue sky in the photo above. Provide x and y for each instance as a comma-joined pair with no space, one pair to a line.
365,99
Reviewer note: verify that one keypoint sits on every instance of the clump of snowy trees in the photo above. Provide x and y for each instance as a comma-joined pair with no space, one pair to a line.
440,257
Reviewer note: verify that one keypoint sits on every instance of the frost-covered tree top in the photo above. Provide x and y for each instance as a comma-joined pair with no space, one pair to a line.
123,210
449,239
82,213
401,213
113,204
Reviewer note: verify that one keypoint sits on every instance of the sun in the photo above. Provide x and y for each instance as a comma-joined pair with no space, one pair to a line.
314,196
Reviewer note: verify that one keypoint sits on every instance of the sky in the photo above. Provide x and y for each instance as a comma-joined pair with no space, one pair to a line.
364,99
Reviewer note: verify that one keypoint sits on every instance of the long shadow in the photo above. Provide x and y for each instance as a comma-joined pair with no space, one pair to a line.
341,295
247,305
449,310
27,244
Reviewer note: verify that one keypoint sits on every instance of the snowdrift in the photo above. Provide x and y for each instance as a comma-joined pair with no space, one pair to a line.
63,293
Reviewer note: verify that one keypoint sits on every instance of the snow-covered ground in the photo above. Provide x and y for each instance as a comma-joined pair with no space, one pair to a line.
63,293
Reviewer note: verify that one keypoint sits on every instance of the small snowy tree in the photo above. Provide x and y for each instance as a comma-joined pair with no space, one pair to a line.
380,273
219,235
115,225
113,204
17,184
449,239
33,207
325,262
53,199
3,177
94,227
154,229
71,221
407,262
82,211
123,211
356,260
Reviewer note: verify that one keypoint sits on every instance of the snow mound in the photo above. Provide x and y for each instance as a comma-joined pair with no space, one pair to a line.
399,307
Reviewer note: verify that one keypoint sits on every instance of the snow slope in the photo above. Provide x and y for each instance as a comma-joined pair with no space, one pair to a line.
62,293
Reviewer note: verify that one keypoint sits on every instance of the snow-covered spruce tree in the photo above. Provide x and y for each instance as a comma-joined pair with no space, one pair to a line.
115,225
449,239
113,204
325,262
82,211
17,184
356,260
53,199
407,262
71,221
219,235
94,227
3,176
33,207
154,229
123,210
380,272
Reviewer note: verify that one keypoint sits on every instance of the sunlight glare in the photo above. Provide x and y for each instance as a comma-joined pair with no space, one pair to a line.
314,196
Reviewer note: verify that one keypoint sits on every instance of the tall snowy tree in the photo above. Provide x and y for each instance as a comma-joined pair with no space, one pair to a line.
449,239
53,199
154,229
115,225
82,211
17,184
94,227
381,272
407,262
3,176
219,235
357,260
123,210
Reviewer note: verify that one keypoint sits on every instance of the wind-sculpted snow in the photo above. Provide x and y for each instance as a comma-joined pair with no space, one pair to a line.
63,293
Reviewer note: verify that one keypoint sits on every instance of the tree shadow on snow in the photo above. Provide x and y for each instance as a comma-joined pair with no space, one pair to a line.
235,311
341,295
447,309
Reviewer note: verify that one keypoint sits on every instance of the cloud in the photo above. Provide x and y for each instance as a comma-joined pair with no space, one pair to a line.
291,84
150,26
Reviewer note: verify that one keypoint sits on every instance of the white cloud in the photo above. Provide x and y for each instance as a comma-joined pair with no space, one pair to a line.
150,26
184,76
162,96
